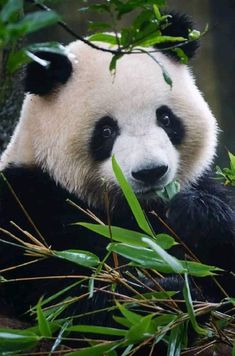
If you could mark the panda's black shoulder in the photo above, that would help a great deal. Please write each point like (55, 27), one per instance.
(29, 196)
(31, 189)
(210, 184)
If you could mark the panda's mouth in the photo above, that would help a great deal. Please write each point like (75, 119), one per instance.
(148, 192)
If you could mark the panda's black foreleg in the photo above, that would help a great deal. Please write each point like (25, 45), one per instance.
(206, 224)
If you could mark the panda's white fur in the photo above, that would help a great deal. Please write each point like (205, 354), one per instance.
(54, 130)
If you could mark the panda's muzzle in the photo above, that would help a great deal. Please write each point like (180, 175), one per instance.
(151, 175)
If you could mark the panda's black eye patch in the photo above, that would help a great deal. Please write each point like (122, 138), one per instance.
(171, 123)
(103, 137)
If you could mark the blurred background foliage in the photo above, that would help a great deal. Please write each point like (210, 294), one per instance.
(213, 66)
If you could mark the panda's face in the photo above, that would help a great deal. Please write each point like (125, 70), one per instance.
(144, 144)
(157, 133)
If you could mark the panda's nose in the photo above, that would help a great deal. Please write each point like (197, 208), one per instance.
(150, 175)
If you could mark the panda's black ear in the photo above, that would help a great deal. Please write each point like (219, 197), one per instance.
(42, 80)
(179, 26)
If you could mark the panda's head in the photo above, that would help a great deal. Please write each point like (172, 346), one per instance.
(78, 115)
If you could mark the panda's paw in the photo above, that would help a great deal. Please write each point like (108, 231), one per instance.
(206, 224)
(196, 210)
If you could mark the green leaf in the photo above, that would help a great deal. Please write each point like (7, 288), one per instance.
(200, 270)
(190, 309)
(98, 26)
(142, 257)
(103, 37)
(194, 35)
(167, 77)
(97, 330)
(169, 191)
(164, 320)
(157, 12)
(181, 55)
(33, 22)
(24, 56)
(154, 39)
(232, 161)
(131, 199)
(82, 258)
(142, 330)
(122, 321)
(231, 300)
(128, 236)
(52, 47)
(165, 241)
(17, 340)
(16, 60)
(113, 63)
(175, 341)
(132, 317)
(11, 7)
(127, 37)
(97, 350)
(43, 324)
(175, 264)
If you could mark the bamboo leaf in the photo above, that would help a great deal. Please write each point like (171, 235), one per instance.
(33, 22)
(96, 350)
(83, 258)
(17, 340)
(131, 199)
(170, 260)
(128, 236)
(155, 39)
(10, 8)
(97, 330)
(43, 324)
(144, 257)
(103, 37)
(132, 317)
(190, 309)
(142, 330)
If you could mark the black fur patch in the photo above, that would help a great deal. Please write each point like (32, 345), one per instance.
(175, 128)
(179, 26)
(101, 146)
(41, 80)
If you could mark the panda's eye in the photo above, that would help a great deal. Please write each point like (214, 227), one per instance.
(103, 137)
(164, 119)
(171, 124)
(107, 131)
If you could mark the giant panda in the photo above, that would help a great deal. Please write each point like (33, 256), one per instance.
(74, 118)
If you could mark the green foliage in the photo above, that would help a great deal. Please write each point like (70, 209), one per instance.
(169, 191)
(43, 324)
(15, 24)
(144, 31)
(131, 199)
(227, 175)
(12, 341)
(190, 309)
(82, 258)
(142, 318)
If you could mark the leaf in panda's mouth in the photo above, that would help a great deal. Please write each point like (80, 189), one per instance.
(169, 191)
